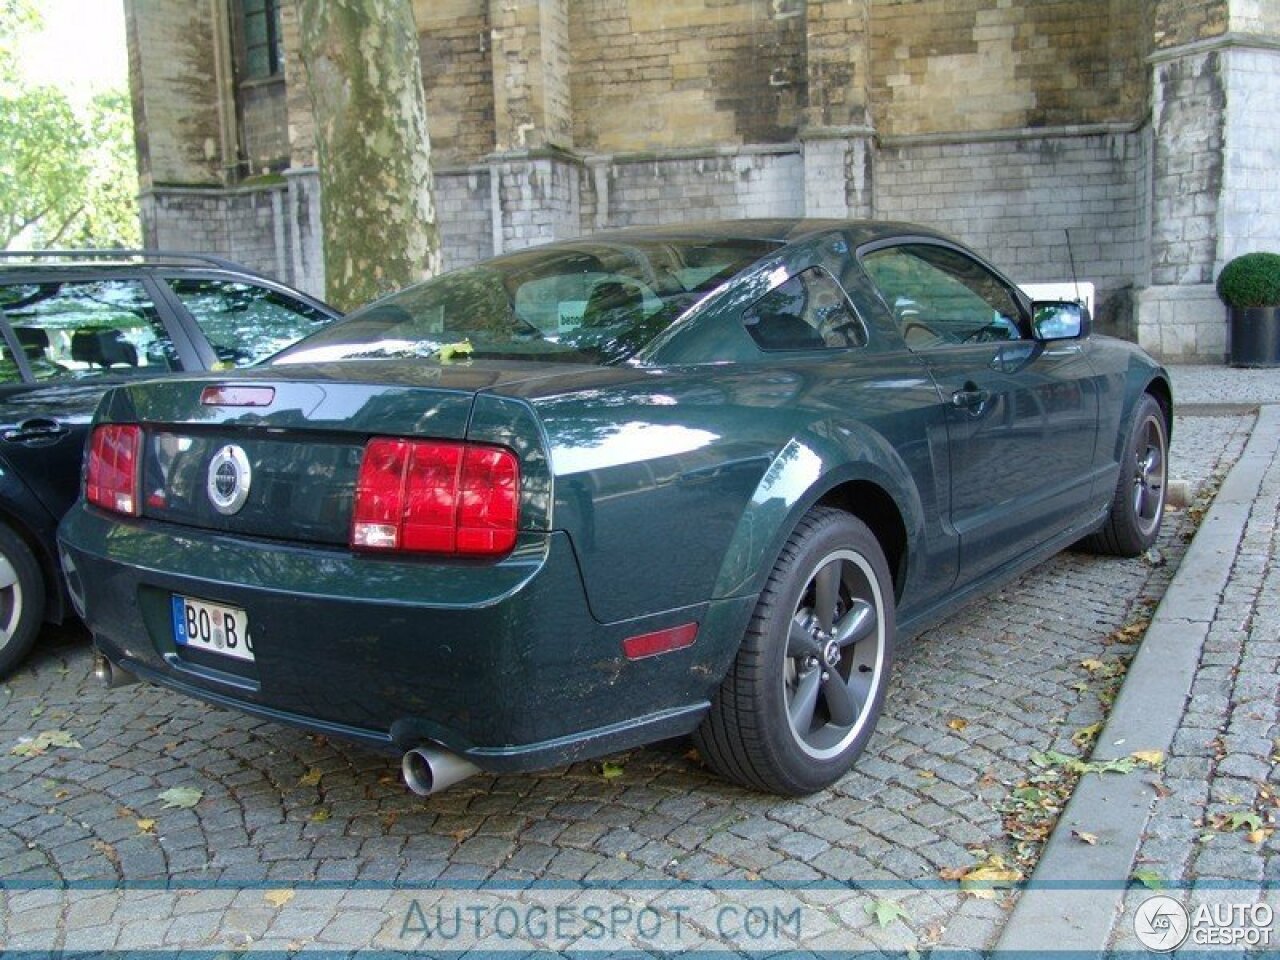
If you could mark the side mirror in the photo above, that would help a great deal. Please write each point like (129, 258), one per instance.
(1059, 320)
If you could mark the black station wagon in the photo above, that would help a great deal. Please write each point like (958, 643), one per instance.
(72, 323)
(594, 494)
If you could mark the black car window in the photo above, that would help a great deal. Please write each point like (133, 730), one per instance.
(245, 322)
(579, 302)
(940, 297)
(807, 312)
(84, 328)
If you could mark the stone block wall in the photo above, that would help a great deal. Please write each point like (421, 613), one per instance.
(1251, 164)
(1015, 198)
(1143, 126)
(654, 75)
(643, 191)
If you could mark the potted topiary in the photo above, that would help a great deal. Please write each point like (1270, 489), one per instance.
(1250, 287)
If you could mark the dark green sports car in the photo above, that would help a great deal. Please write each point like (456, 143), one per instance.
(603, 492)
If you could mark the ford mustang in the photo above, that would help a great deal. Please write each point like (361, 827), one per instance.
(586, 496)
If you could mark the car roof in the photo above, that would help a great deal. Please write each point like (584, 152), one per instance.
(780, 230)
(115, 259)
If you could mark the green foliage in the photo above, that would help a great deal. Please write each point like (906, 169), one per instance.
(67, 176)
(1252, 280)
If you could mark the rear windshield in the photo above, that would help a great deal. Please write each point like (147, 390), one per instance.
(587, 302)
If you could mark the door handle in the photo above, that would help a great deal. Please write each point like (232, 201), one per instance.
(970, 398)
(35, 430)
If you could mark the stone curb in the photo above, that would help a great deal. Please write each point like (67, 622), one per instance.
(1115, 807)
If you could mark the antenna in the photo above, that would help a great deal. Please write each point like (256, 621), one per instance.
(1072, 257)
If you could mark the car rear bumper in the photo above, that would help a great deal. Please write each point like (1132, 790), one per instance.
(502, 663)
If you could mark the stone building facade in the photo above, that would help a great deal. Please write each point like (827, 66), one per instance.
(1142, 127)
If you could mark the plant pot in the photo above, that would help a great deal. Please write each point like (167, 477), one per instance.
(1255, 336)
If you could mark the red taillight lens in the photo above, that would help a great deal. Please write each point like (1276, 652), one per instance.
(111, 480)
(436, 497)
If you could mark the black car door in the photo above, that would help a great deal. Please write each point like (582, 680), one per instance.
(68, 338)
(1021, 415)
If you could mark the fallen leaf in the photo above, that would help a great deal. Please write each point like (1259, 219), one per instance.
(1152, 758)
(610, 771)
(146, 825)
(107, 850)
(1085, 736)
(320, 815)
(957, 723)
(1149, 879)
(278, 898)
(953, 873)
(311, 778)
(36, 711)
(886, 912)
(1092, 664)
(1258, 836)
(44, 741)
(1090, 838)
(181, 798)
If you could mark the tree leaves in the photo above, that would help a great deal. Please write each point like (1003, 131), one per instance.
(43, 742)
(181, 798)
(886, 912)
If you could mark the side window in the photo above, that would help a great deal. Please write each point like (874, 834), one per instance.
(245, 323)
(79, 329)
(940, 297)
(807, 312)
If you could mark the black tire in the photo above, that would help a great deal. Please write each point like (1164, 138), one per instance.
(1137, 506)
(21, 599)
(778, 721)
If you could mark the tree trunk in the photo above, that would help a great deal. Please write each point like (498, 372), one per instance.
(365, 81)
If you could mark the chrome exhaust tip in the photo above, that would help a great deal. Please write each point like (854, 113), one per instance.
(428, 770)
(109, 675)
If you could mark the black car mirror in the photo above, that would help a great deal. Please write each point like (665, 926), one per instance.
(1059, 320)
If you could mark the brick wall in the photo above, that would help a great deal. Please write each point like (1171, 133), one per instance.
(653, 75)
(264, 126)
(972, 65)
(457, 77)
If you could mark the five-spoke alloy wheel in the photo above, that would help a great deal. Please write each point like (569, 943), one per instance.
(808, 684)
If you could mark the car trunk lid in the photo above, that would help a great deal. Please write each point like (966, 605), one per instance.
(299, 435)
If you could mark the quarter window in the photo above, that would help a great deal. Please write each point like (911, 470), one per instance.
(243, 322)
(940, 297)
(82, 329)
(807, 312)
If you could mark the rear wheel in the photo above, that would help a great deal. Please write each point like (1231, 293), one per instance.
(1137, 506)
(809, 681)
(21, 599)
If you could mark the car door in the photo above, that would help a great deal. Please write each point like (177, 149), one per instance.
(66, 339)
(237, 321)
(1021, 415)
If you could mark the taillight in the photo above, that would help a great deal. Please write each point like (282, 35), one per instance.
(111, 479)
(436, 497)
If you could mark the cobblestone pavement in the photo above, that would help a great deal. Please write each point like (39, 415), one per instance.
(971, 700)
(1213, 831)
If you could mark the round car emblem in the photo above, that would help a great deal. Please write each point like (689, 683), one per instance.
(229, 477)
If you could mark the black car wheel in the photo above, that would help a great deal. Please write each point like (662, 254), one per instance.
(809, 681)
(1137, 506)
(21, 599)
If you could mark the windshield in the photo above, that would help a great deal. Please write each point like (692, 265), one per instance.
(587, 302)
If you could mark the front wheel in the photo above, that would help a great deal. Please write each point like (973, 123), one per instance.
(21, 599)
(809, 681)
(1137, 505)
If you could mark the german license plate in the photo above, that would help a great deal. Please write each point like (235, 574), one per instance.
(201, 625)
